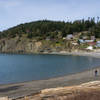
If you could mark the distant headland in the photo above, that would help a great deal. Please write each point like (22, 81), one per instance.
(47, 36)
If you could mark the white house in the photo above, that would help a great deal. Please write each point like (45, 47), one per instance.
(75, 43)
(89, 48)
(81, 41)
(98, 44)
(69, 36)
(89, 41)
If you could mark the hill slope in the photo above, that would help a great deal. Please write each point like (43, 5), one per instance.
(53, 29)
(45, 36)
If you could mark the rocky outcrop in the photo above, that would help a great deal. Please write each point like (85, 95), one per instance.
(25, 45)
(5, 98)
(87, 91)
(19, 45)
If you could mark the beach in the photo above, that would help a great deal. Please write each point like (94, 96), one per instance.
(33, 87)
(95, 53)
(18, 90)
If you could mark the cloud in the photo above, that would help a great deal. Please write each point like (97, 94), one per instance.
(14, 12)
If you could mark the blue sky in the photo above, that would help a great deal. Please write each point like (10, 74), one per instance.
(14, 12)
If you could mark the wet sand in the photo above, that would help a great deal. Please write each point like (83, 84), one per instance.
(33, 87)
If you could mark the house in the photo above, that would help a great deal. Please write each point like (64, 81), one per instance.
(84, 37)
(91, 43)
(87, 41)
(81, 41)
(74, 43)
(98, 44)
(93, 38)
(69, 36)
(89, 48)
(64, 38)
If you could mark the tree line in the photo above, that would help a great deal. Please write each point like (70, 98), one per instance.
(53, 29)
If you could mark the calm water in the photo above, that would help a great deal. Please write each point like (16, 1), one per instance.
(19, 68)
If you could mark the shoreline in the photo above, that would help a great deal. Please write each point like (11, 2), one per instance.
(73, 53)
(17, 90)
(27, 88)
(80, 53)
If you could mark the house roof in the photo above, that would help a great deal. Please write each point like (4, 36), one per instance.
(92, 43)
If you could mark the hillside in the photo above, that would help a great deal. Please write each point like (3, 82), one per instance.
(53, 29)
(47, 36)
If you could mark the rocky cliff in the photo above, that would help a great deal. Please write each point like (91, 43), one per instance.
(25, 45)
(19, 45)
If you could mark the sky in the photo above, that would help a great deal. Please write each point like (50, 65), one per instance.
(14, 12)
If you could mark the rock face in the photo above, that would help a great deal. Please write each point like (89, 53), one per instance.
(87, 91)
(17, 45)
(25, 45)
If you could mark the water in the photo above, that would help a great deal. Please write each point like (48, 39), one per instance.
(20, 68)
